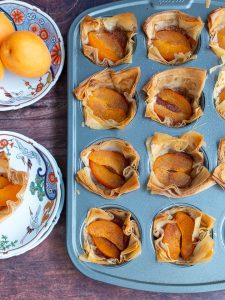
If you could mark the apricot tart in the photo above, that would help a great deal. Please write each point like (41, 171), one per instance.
(109, 41)
(177, 165)
(173, 96)
(111, 236)
(172, 36)
(216, 25)
(182, 235)
(110, 168)
(108, 98)
(219, 93)
(12, 187)
(219, 172)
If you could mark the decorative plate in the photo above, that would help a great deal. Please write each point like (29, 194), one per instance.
(17, 92)
(42, 199)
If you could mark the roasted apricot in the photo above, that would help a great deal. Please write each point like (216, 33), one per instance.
(170, 104)
(9, 192)
(186, 225)
(112, 159)
(222, 96)
(221, 38)
(3, 182)
(110, 44)
(108, 104)
(105, 176)
(172, 237)
(170, 42)
(106, 247)
(108, 230)
(177, 178)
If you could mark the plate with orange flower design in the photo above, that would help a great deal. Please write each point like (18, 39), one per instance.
(17, 92)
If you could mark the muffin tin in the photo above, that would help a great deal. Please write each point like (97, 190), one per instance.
(144, 272)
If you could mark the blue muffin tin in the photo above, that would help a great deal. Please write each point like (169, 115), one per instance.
(144, 272)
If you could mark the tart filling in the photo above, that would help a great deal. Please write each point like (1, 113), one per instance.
(182, 235)
(219, 172)
(216, 25)
(109, 41)
(12, 187)
(108, 98)
(219, 93)
(173, 96)
(172, 36)
(111, 236)
(110, 168)
(177, 165)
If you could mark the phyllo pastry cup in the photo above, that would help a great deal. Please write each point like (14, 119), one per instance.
(109, 41)
(219, 172)
(172, 36)
(182, 235)
(177, 165)
(108, 98)
(110, 168)
(173, 96)
(219, 93)
(12, 187)
(216, 25)
(110, 237)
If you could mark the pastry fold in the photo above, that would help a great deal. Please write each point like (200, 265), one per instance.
(219, 172)
(15, 177)
(130, 173)
(167, 20)
(124, 82)
(189, 143)
(126, 22)
(188, 82)
(219, 87)
(130, 230)
(216, 22)
(201, 236)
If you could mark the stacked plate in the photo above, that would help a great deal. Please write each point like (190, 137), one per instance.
(43, 200)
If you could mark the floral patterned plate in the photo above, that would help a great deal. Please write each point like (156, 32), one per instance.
(43, 197)
(17, 92)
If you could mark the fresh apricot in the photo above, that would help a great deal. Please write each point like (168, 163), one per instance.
(9, 192)
(3, 182)
(110, 44)
(6, 27)
(106, 247)
(221, 38)
(108, 230)
(186, 225)
(108, 104)
(170, 42)
(25, 54)
(172, 105)
(112, 159)
(105, 176)
(2, 71)
(172, 237)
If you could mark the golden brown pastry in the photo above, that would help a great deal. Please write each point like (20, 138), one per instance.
(219, 172)
(111, 236)
(109, 41)
(110, 168)
(108, 98)
(12, 187)
(216, 25)
(219, 93)
(172, 36)
(177, 165)
(173, 96)
(182, 235)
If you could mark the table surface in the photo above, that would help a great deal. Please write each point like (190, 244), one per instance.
(47, 272)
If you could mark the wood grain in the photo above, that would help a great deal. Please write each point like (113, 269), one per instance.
(46, 272)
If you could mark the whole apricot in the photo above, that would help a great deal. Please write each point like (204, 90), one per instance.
(25, 54)
(2, 71)
(6, 27)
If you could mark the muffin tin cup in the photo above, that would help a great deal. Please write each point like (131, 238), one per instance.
(144, 272)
